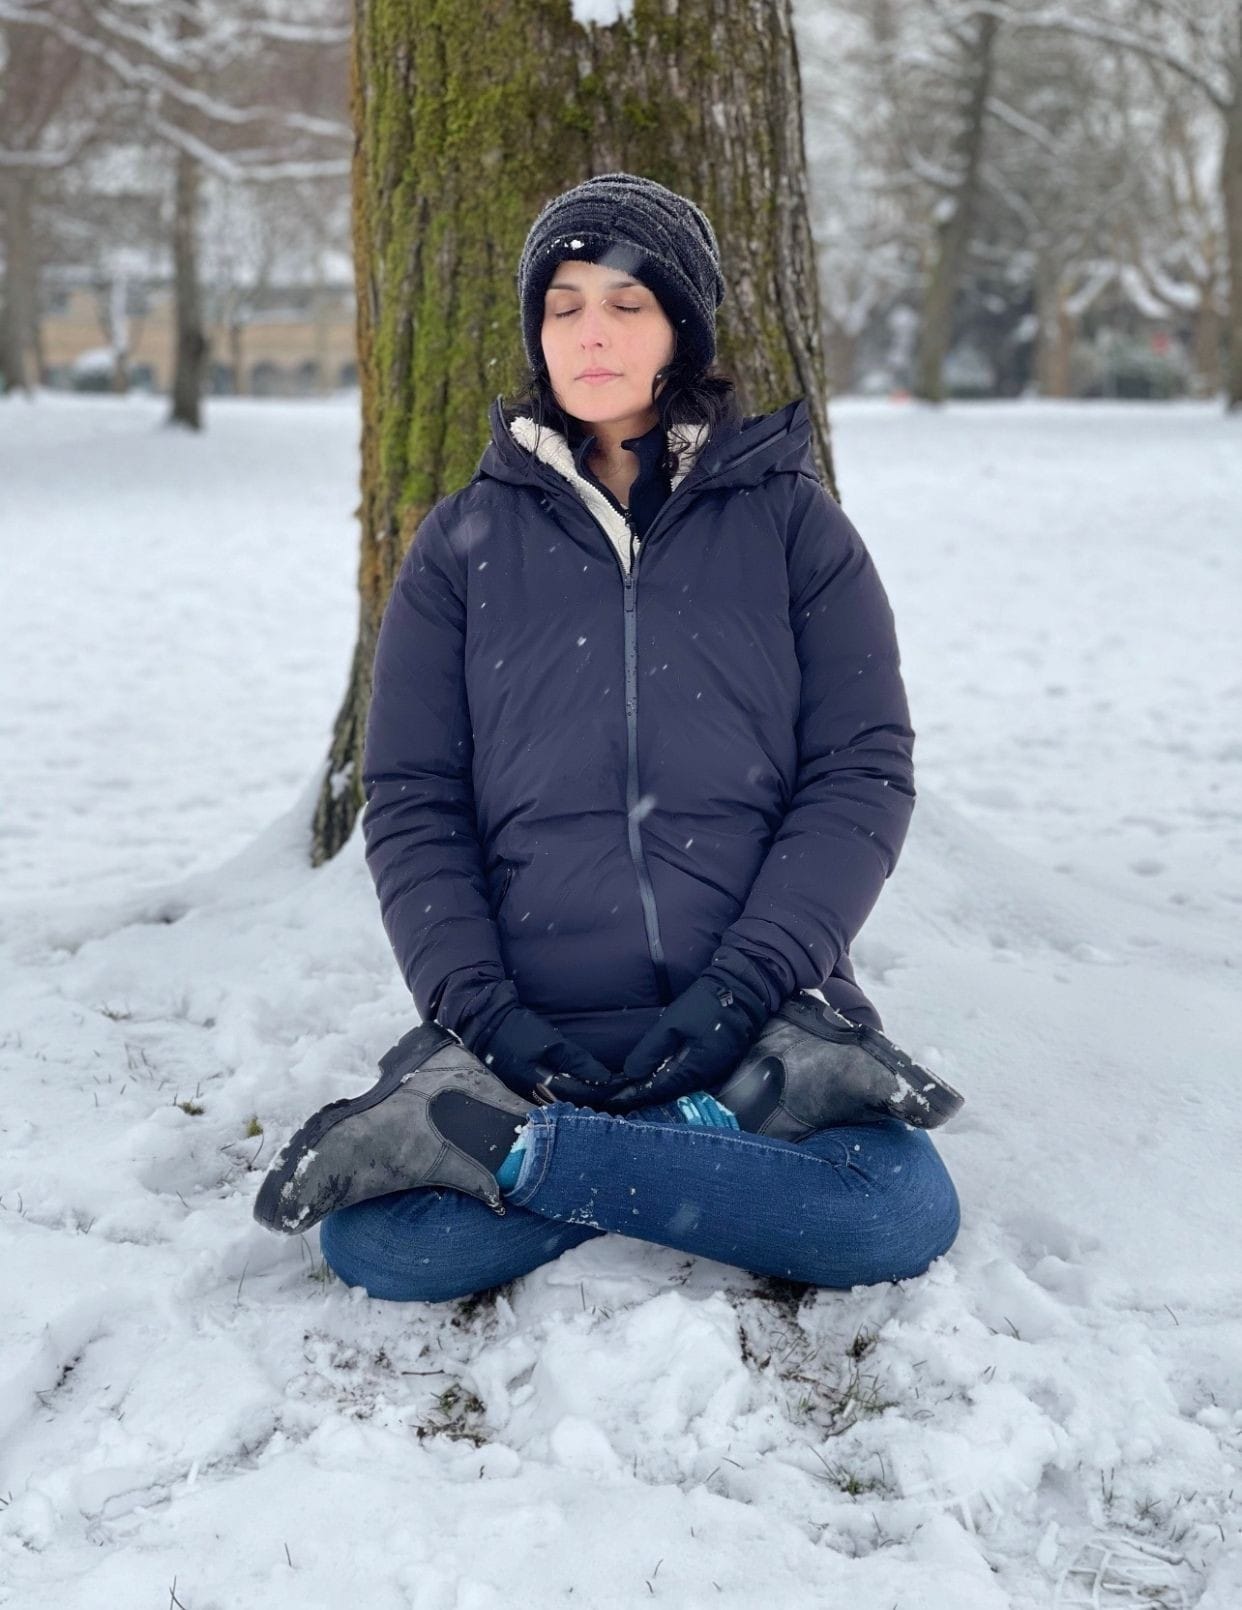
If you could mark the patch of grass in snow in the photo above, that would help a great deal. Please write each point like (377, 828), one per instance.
(1151, 1518)
(849, 1481)
(194, 1108)
(478, 1310)
(863, 1343)
(822, 1392)
(834, 1406)
(254, 1128)
(458, 1414)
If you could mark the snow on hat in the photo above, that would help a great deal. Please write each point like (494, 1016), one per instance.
(641, 228)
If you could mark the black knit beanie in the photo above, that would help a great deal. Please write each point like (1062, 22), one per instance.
(640, 228)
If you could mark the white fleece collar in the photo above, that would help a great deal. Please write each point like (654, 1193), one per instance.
(550, 445)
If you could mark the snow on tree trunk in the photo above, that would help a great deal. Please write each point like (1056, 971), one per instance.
(462, 132)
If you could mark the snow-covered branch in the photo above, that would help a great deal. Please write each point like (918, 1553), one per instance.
(994, 181)
(1004, 113)
(224, 166)
(40, 161)
(1059, 20)
(151, 77)
(302, 33)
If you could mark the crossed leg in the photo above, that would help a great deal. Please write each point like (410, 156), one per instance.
(850, 1205)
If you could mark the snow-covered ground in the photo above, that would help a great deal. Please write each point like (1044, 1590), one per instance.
(191, 1412)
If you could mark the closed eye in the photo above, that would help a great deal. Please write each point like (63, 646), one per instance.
(620, 309)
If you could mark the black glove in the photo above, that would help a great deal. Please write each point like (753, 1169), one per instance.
(699, 1038)
(521, 1049)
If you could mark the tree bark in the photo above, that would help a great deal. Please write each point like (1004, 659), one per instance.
(19, 360)
(1231, 186)
(1054, 341)
(1206, 347)
(191, 342)
(953, 230)
(841, 354)
(467, 119)
(37, 74)
(118, 333)
(237, 355)
(190, 339)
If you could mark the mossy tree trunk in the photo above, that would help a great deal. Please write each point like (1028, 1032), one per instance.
(468, 117)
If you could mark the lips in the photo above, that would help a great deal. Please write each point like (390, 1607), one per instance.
(598, 374)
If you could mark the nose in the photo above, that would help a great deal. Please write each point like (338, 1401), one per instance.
(593, 328)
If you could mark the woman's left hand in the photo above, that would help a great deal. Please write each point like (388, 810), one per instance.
(694, 1044)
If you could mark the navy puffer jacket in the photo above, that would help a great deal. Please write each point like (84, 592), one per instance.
(591, 761)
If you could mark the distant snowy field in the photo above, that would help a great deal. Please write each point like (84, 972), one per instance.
(1052, 1416)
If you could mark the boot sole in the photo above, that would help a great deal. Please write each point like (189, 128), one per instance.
(933, 1101)
(409, 1053)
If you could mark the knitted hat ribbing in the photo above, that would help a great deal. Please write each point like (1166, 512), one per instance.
(641, 228)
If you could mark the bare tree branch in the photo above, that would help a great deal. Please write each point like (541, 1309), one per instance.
(1004, 113)
(224, 167)
(45, 160)
(1088, 27)
(143, 75)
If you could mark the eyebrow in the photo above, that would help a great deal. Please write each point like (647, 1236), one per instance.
(611, 285)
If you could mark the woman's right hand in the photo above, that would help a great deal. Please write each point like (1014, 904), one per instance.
(521, 1049)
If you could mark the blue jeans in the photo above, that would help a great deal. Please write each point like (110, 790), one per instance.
(847, 1206)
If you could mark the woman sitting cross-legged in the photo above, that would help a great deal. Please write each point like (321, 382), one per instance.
(637, 765)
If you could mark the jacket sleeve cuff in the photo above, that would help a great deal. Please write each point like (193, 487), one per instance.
(482, 1012)
(760, 976)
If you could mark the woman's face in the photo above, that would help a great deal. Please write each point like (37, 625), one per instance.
(601, 321)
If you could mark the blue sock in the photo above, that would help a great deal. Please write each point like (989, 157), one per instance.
(705, 1112)
(507, 1173)
(700, 1110)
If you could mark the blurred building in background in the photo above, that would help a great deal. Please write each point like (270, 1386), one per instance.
(289, 340)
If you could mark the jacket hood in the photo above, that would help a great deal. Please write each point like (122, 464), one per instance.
(733, 455)
(524, 453)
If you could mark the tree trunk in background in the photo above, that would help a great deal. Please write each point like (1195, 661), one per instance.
(841, 350)
(189, 337)
(1206, 350)
(323, 335)
(1231, 187)
(118, 332)
(191, 342)
(37, 73)
(19, 358)
(1054, 341)
(237, 357)
(468, 118)
(953, 231)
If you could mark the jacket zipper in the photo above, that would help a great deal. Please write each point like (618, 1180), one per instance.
(638, 856)
(646, 890)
